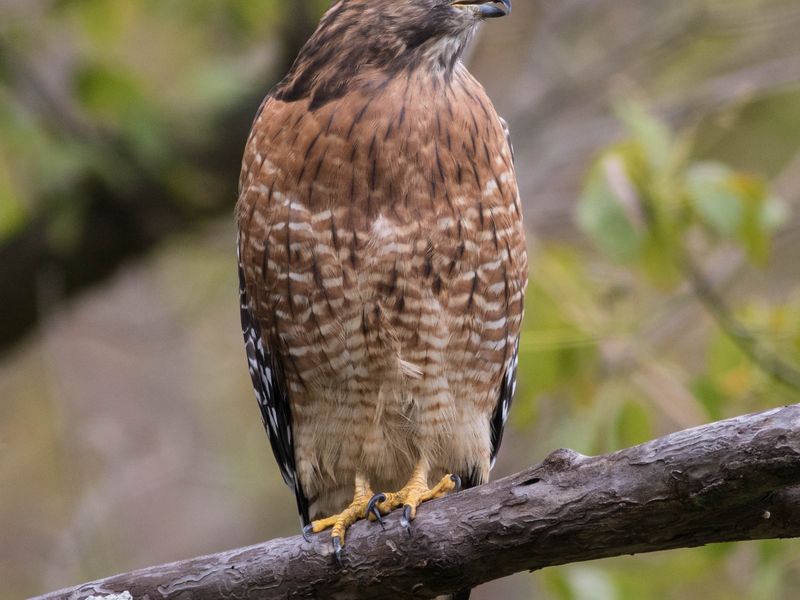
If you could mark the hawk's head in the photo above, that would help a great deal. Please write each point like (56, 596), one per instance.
(357, 39)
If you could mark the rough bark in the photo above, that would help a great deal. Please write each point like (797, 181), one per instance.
(732, 480)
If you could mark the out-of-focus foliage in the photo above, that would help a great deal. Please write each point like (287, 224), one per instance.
(128, 431)
(598, 340)
(125, 91)
(120, 123)
(645, 197)
(663, 208)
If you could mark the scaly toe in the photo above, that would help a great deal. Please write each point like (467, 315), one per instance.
(339, 524)
(410, 497)
(448, 483)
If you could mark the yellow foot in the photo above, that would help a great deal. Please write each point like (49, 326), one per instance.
(341, 522)
(411, 496)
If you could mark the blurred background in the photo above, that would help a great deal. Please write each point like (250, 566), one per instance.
(658, 152)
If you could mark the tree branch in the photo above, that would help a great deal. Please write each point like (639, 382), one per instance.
(732, 480)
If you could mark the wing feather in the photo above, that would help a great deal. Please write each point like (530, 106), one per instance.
(500, 414)
(497, 422)
(271, 393)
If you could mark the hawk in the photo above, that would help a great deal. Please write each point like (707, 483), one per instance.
(382, 263)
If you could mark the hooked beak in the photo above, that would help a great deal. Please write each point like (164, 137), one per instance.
(485, 8)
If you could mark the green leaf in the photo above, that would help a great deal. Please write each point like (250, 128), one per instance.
(607, 215)
(650, 134)
(714, 199)
(774, 214)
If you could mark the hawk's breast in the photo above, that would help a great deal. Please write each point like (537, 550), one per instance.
(384, 254)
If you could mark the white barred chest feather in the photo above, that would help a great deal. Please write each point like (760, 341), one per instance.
(384, 258)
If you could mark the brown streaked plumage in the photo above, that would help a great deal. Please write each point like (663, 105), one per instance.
(382, 255)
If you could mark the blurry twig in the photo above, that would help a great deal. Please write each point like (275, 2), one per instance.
(767, 361)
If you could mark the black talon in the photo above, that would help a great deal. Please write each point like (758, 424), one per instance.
(307, 531)
(405, 520)
(337, 549)
(372, 508)
(378, 517)
(457, 480)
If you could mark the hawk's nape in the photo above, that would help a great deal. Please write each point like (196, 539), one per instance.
(383, 263)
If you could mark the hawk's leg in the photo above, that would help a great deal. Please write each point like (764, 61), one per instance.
(415, 492)
(355, 512)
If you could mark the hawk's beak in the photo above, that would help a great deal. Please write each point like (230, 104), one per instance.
(485, 8)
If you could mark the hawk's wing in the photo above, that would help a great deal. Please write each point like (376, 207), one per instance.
(498, 421)
(500, 414)
(509, 384)
(270, 388)
(507, 387)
